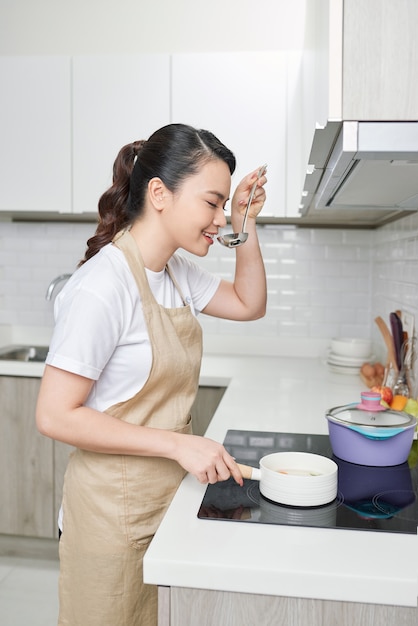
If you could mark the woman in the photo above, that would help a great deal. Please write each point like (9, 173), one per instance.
(123, 367)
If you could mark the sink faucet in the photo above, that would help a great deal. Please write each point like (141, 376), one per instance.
(54, 283)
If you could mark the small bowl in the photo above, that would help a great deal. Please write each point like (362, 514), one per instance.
(351, 347)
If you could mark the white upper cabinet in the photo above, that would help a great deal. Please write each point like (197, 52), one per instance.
(64, 120)
(35, 131)
(116, 100)
(242, 98)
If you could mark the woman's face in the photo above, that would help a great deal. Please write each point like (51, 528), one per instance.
(197, 209)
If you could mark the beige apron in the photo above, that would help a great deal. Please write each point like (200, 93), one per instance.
(113, 504)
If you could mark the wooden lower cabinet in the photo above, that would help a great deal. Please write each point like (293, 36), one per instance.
(32, 466)
(179, 606)
(26, 462)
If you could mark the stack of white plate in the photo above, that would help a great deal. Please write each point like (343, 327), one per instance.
(347, 355)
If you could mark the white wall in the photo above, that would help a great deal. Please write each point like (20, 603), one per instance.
(395, 268)
(102, 26)
(319, 280)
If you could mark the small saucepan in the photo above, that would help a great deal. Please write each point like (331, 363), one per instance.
(295, 478)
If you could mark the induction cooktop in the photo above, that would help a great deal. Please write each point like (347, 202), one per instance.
(369, 498)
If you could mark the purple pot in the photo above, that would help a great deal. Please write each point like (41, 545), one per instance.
(350, 445)
(369, 435)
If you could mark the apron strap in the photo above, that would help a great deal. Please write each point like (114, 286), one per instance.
(132, 251)
(176, 285)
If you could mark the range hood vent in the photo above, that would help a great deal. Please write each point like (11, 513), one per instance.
(369, 167)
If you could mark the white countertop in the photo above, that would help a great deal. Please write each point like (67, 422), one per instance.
(280, 395)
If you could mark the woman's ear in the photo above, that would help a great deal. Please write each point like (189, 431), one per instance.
(158, 193)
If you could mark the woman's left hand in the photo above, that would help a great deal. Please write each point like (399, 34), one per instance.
(245, 298)
(242, 192)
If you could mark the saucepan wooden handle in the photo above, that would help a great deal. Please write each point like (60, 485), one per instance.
(252, 473)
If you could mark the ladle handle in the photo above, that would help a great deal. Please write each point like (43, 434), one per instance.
(252, 473)
(261, 171)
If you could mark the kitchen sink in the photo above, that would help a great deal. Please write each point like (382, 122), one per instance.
(24, 353)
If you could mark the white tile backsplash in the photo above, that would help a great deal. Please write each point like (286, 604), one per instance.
(395, 283)
(321, 282)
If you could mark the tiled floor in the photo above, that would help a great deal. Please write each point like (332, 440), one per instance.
(28, 592)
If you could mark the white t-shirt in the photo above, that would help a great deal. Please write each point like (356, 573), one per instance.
(100, 332)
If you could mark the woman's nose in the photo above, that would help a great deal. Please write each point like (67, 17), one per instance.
(219, 218)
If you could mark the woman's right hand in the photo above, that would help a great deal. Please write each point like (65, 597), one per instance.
(206, 459)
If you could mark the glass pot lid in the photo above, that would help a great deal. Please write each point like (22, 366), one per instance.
(369, 412)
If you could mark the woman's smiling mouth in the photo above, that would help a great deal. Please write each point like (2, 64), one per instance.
(210, 236)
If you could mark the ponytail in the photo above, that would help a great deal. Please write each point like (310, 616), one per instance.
(172, 154)
(113, 204)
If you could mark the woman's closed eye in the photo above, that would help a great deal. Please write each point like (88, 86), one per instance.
(213, 205)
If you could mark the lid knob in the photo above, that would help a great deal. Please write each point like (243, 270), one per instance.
(370, 401)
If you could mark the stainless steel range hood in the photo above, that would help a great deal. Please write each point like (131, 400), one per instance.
(362, 172)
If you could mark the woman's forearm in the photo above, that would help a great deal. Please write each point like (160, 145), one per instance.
(250, 276)
(61, 415)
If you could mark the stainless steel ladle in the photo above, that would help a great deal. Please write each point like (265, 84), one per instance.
(232, 240)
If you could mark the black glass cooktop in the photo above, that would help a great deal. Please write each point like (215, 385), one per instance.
(369, 498)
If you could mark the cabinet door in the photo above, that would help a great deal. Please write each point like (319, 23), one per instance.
(241, 98)
(35, 146)
(380, 60)
(363, 59)
(297, 144)
(26, 459)
(116, 100)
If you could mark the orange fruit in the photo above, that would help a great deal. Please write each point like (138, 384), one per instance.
(398, 403)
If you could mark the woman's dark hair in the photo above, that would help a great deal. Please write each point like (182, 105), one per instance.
(172, 153)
